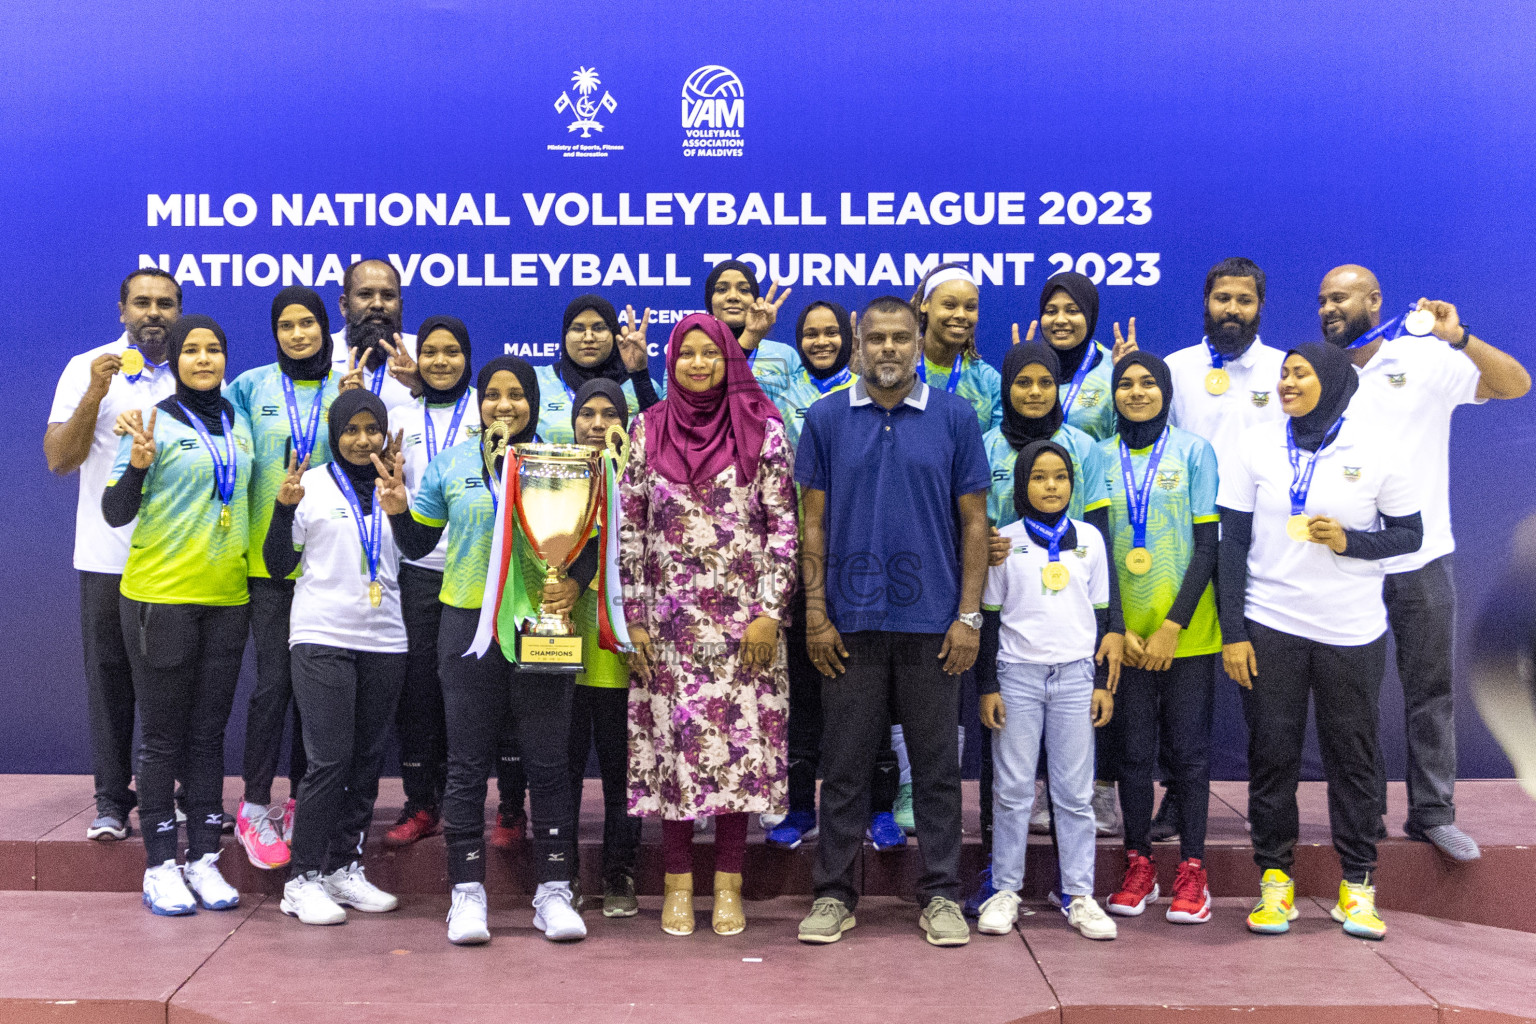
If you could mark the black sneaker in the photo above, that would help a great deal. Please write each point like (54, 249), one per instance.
(1165, 825)
(107, 826)
(619, 898)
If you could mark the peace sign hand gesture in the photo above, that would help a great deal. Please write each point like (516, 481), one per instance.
(402, 367)
(632, 345)
(1124, 346)
(142, 456)
(763, 313)
(390, 486)
(353, 378)
(292, 490)
(1028, 337)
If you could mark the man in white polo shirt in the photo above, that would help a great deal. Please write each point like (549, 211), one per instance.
(96, 386)
(1409, 387)
(372, 309)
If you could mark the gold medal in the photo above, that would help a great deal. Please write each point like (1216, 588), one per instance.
(1138, 561)
(1054, 575)
(1419, 323)
(1217, 381)
(1296, 527)
(375, 593)
(224, 518)
(131, 362)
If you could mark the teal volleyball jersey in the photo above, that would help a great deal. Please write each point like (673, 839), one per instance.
(1088, 492)
(980, 385)
(1093, 408)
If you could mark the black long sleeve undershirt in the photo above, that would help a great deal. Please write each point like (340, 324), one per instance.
(645, 390)
(1399, 535)
(1099, 520)
(278, 550)
(416, 540)
(1197, 575)
(120, 502)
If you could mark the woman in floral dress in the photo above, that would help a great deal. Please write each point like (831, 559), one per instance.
(708, 548)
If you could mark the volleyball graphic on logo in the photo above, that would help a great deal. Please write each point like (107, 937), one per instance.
(712, 97)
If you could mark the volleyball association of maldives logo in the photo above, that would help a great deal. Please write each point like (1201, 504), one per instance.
(586, 106)
(714, 112)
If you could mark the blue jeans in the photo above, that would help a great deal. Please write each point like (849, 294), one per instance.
(1056, 700)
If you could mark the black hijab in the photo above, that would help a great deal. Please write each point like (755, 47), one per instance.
(1082, 292)
(318, 364)
(454, 326)
(530, 382)
(1019, 429)
(1143, 435)
(209, 405)
(1336, 373)
(714, 276)
(1022, 467)
(609, 390)
(347, 405)
(844, 328)
(573, 373)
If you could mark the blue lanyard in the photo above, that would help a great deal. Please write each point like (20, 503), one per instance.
(1138, 500)
(1052, 537)
(372, 539)
(1217, 359)
(1078, 378)
(303, 440)
(377, 384)
(453, 425)
(837, 380)
(1301, 477)
(224, 469)
(954, 372)
(1390, 330)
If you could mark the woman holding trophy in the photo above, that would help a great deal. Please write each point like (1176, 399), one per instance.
(707, 552)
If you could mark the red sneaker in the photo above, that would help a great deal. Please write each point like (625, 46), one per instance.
(507, 833)
(1138, 891)
(1191, 895)
(411, 829)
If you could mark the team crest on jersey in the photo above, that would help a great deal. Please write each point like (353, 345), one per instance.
(1081, 552)
(1397, 380)
(270, 410)
(1260, 398)
(1168, 479)
(1089, 399)
(1352, 474)
(340, 513)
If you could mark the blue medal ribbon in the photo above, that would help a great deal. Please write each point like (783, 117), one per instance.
(453, 425)
(1078, 378)
(1051, 537)
(1217, 359)
(954, 372)
(377, 384)
(1301, 476)
(1390, 330)
(1138, 500)
(372, 538)
(303, 439)
(225, 468)
(837, 380)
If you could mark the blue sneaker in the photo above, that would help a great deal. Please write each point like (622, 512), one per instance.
(984, 891)
(796, 828)
(884, 833)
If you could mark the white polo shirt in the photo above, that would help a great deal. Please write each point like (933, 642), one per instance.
(1408, 391)
(98, 547)
(1043, 626)
(330, 598)
(412, 419)
(1223, 419)
(391, 391)
(1303, 588)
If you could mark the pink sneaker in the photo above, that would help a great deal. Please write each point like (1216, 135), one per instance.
(288, 809)
(257, 834)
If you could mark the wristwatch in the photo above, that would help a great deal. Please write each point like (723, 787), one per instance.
(972, 619)
(1466, 336)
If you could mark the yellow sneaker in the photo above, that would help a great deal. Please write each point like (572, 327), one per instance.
(1356, 910)
(1277, 904)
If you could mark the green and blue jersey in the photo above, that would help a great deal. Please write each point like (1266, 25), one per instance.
(802, 393)
(1093, 409)
(1088, 493)
(980, 385)
(555, 405)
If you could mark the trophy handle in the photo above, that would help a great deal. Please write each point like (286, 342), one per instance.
(616, 444)
(493, 444)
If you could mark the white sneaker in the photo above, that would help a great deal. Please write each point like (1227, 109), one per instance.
(770, 821)
(999, 914)
(1040, 816)
(1106, 809)
(305, 898)
(1090, 920)
(349, 887)
(553, 914)
(208, 885)
(466, 918)
(166, 892)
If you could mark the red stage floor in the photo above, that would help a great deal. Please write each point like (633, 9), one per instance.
(85, 950)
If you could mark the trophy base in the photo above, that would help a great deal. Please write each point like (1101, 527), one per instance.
(558, 654)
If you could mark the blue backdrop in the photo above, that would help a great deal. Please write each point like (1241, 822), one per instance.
(1139, 145)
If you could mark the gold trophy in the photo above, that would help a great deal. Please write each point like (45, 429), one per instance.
(558, 486)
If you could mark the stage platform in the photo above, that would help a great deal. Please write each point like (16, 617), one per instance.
(81, 948)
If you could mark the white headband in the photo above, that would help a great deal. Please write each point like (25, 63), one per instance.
(946, 275)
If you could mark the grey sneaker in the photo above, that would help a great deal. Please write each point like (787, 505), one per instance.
(107, 827)
(1106, 809)
(828, 919)
(619, 898)
(1449, 840)
(944, 924)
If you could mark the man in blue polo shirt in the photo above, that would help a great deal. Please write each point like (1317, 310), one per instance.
(894, 480)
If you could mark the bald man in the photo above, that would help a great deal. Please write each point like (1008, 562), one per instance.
(1410, 386)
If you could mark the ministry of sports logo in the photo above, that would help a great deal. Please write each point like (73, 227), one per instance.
(584, 110)
(714, 112)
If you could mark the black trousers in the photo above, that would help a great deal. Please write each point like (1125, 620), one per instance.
(347, 699)
(600, 718)
(478, 694)
(1170, 711)
(1421, 608)
(419, 720)
(186, 664)
(272, 702)
(109, 692)
(890, 675)
(1345, 685)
